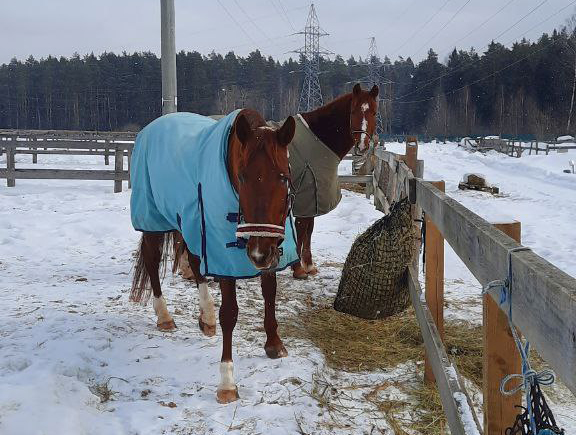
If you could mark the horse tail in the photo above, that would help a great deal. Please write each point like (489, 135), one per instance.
(141, 288)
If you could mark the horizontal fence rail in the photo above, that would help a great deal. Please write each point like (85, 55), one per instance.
(117, 145)
(457, 407)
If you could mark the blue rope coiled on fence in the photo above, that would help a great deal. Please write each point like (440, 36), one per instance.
(528, 375)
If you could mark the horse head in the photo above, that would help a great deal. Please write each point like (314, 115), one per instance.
(364, 106)
(261, 175)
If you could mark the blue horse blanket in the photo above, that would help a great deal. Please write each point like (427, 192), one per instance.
(180, 182)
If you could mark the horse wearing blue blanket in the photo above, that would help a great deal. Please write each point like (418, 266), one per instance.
(224, 186)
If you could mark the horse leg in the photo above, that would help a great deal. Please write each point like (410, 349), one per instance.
(181, 263)
(152, 245)
(298, 270)
(227, 391)
(307, 262)
(273, 347)
(207, 319)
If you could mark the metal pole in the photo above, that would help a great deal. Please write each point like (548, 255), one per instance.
(168, 57)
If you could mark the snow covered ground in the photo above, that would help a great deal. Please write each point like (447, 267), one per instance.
(69, 336)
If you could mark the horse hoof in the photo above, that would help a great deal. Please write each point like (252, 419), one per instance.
(275, 352)
(207, 330)
(227, 396)
(298, 272)
(313, 270)
(300, 275)
(166, 326)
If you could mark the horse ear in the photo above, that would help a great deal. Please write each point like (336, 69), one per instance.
(374, 91)
(357, 89)
(285, 134)
(243, 129)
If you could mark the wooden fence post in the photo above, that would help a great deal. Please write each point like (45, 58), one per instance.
(118, 168)
(129, 168)
(434, 254)
(35, 155)
(10, 165)
(501, 358)
(106, 152)
(417, 168)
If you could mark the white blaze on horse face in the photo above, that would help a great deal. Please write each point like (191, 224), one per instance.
(161, 310)
(363, 135)
(364, 107)
(227, 376)
(256, 254)
(207, 313)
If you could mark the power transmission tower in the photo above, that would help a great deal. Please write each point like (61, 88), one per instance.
(311, 95)
(375, 78)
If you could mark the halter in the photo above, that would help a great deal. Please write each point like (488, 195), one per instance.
(247, 230)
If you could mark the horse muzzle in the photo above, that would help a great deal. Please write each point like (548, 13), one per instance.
(263, 252)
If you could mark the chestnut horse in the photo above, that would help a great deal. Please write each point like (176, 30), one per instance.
(348, 121)
(258, 169)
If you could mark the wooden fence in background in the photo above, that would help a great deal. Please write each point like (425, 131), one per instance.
(80, 143)
(57, 142)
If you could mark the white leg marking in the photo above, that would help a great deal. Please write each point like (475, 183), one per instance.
(227, 376)
(310, 267)
(207, 313)
(161, 310)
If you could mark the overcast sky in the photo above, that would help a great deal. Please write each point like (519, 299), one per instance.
(407, 28)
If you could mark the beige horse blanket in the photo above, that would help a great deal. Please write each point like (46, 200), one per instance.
(314, 171)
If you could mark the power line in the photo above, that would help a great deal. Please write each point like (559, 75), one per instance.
(485, 77)
(286, 14)
(483, 23)
(236, 22)
(478, 60)
(420, 29)
(256, 26)
(405, 10)
(521, 19)
(444, 26)
(543, 21)
(282, 14)
(261, 17)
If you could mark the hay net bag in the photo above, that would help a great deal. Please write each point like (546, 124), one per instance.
(374, 282)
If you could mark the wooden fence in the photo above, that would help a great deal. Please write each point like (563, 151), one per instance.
(515, 148)
(543, 306)
(106, 144)
(51, 142)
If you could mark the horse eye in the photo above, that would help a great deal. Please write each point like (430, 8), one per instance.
(241, 178)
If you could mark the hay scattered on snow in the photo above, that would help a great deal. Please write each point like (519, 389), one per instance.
(356, 345)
